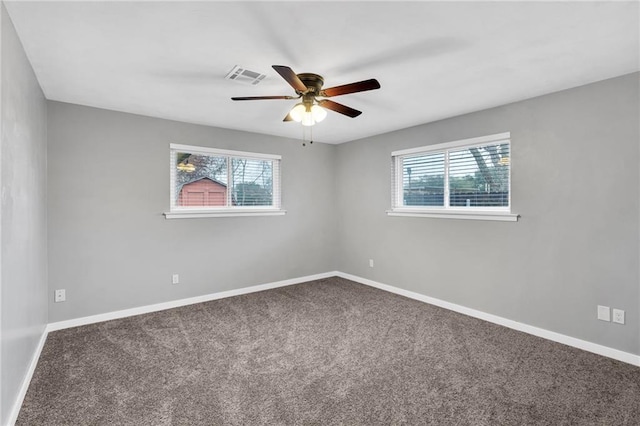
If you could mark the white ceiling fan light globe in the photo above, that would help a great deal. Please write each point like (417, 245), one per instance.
(318, 113)
(307, 119)
(297, 112)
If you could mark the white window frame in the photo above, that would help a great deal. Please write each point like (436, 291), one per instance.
(446, 211)
(182, 212)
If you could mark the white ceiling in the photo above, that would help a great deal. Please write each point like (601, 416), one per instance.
(433, 59)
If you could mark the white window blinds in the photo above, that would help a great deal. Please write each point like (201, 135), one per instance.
(471, 175)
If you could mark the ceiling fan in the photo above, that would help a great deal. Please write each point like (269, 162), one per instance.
(308, 86)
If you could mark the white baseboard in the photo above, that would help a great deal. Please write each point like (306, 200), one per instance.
(536, 331)
(60, 325)
(15, 410)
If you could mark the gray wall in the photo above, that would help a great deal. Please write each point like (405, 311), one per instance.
(110, 246)
(23, 154)
(575, 182)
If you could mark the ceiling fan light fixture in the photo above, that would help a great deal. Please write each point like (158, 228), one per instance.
(307, 115)
(297, 112)
(318, 113)
(307, 119)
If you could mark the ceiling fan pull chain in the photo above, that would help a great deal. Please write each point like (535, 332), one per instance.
(304, 135)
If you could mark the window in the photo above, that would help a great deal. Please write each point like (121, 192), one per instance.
(208, 182)
(467, 179)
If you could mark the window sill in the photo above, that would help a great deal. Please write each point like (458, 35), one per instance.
(477, 215)
(223, 213)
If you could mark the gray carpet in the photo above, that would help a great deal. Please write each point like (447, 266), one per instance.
(321, 353)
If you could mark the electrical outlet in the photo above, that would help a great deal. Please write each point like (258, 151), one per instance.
(370, 263)
(618, 316)
(175, 279)
(604, 313)
(60, 295)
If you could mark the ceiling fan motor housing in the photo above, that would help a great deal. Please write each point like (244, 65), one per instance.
(313, 82)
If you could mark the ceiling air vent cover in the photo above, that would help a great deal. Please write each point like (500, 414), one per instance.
(245, 76)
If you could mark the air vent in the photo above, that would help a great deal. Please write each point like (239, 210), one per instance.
(245, 76)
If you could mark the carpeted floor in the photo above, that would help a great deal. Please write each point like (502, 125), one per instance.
(321, 353)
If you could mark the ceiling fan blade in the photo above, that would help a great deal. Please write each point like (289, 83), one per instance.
(342, 109)
(291, 77)
(360, 86)
(258, 98)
